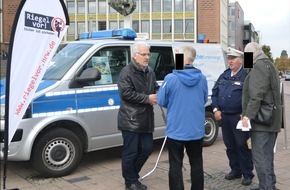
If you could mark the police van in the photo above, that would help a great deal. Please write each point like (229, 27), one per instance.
(74, 109)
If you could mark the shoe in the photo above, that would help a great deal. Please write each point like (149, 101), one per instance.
(247, 181)
(232, 176)
(144, 187)
(136, 186)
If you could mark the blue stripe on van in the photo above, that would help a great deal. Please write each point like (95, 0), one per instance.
(70, 101)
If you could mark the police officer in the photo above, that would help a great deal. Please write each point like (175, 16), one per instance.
(227, 108)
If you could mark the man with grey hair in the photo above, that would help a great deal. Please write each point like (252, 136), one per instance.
(137, 89)
(184, 94)
(261, 86)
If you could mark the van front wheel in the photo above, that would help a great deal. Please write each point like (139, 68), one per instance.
(57, 153)
(211, 129)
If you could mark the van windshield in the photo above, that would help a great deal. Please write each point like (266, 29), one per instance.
(64, 59)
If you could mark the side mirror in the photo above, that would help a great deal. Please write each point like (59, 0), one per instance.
(89, 75)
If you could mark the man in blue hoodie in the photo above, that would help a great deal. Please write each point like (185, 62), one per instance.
(184, 93)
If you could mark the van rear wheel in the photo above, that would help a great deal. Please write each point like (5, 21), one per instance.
(211, 130)
(57, 153)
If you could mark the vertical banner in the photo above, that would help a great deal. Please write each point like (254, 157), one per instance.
(39, 27)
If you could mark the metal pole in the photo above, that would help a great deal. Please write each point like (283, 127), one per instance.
(284, 116)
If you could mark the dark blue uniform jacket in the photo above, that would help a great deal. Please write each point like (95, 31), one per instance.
(227, 92)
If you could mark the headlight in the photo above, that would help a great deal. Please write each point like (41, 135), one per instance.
(2, 111)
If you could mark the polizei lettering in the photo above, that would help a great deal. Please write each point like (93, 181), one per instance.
(38, 21)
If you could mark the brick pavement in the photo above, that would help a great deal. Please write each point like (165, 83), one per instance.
(101, 170)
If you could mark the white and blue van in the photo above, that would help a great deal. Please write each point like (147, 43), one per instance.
(74, 109)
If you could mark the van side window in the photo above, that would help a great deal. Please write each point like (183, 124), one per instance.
(109, 61)
(161, 61)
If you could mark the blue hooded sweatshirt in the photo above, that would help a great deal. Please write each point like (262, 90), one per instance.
(184, 93)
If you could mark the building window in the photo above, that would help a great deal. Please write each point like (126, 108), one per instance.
(156, 26)
(145, 27)
(232, 25)
(189, 25)
(178, 26)
(113, 25)
(121, 24)
(156, 6)
(178, 5)
(81, 7)
(189, 5)
(81, 27)
(102, 25)
(145, 6)
(71, 29)
(92, 7)
(92, 26)
(167, 7)
(246, 35)
(233, 11)
(102, 7)
(71, 7)
(167, 26)
(135, 25)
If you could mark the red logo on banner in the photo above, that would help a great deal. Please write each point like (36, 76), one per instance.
(57, 25)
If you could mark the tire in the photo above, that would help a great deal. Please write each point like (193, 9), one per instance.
(211, 130)
(57, 153)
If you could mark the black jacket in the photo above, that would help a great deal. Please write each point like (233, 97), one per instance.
(135, 85)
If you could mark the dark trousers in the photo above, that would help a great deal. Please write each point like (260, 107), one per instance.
(239, 155)
(137, 148)
(176, 154)
(263, 155)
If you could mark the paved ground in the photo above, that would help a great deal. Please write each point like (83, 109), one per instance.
(101, 170)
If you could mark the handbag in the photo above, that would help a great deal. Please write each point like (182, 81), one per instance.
(265, 114)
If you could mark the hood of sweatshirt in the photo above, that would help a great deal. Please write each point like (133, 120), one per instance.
(189, 77)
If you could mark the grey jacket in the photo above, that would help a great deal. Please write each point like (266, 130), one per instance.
(257, 88)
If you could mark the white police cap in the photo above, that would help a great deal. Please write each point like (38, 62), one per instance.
(231, 52)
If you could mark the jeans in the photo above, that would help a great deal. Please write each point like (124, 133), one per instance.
(176, 154)
(263, 156)
(137, 148)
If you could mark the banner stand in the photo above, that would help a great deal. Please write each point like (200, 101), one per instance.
(283, 116)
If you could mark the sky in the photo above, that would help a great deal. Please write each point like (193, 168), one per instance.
(272, 19)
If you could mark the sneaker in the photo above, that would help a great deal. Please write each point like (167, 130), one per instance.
(232, 176)
(247, 181)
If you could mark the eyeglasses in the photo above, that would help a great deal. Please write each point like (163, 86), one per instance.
(144, 54)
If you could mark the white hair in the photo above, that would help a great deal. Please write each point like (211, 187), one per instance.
(137, 45)
(189, 53)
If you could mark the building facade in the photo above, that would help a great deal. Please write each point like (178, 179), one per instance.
(236, 26)
(8, 10)
(212, 19)
(160, 19)
(250, 34)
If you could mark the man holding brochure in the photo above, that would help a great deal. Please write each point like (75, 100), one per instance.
(227, 107)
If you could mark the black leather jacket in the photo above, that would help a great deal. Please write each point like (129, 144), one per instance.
(135, 85)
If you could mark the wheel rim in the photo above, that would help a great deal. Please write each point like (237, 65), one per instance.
(210, 129)
(58, 153)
